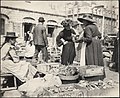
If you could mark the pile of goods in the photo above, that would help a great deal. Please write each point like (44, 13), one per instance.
(48, 68)
(68, 73)
(96, 84)
(98, 88)
(81, 89)
(65, 91)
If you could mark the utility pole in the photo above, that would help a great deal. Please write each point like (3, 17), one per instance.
(103, 21)
(73, 12)
(111, 17)
(66, 11)
(103, 18)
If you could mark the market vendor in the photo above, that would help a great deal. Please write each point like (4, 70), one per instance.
(65, 38)
(10, 62)
(93, 51)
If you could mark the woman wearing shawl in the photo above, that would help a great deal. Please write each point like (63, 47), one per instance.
(93, 52)
(65, 38)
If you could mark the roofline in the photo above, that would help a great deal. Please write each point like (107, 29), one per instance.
(94, 15)
(31, 11)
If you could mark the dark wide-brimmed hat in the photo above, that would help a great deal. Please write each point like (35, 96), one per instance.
(66, 22)
(41, 19)
(11, 35)
(87, 17)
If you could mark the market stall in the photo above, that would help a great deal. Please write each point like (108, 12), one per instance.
(68, 81)
(71, 81)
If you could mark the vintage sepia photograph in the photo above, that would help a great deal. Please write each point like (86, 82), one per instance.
(59, 48)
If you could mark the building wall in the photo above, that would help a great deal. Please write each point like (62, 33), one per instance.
(108, 12)
(16, 19)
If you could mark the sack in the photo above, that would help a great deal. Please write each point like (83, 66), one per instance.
(36, 85)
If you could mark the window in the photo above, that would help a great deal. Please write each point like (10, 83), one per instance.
(51, 26)
(50, 30)
(2, 26)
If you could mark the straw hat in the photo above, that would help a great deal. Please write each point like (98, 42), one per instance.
(87, 17)
(11, 35)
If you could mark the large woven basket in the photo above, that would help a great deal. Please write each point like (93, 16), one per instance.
(75, 77)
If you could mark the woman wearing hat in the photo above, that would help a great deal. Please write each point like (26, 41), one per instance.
(10, 62)
(93, 53)
(65, 38)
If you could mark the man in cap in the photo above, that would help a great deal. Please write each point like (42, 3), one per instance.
(40, 40)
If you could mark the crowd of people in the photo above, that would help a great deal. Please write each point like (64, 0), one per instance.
(80, 40)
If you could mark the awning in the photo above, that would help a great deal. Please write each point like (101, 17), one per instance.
(52, 22)
(29, 20)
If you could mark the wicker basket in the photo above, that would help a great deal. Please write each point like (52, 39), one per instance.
(75, 77)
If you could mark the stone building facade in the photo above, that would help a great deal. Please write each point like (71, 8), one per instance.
(106, 18)
(21, 20)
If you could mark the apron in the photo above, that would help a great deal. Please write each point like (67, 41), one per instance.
(82, 55)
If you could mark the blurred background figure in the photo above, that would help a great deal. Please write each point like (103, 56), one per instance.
(26, 36)
(30, 36)
(77, 27)
(115, 56)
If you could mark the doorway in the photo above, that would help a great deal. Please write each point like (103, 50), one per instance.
(50, 30)
(27, 27)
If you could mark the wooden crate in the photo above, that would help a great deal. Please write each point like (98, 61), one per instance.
(5, 75)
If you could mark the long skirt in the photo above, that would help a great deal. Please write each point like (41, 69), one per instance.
(22, 70)
(93, 54)
(68, 53)
(115, 56)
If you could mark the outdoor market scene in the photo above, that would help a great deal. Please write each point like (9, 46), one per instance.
(59, 48)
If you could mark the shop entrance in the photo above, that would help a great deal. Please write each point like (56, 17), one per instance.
(50, 30)
(27, 27)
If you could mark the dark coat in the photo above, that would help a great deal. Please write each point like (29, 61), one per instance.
(68, 52)
(93, 53)
(115, 56)
(39, 35)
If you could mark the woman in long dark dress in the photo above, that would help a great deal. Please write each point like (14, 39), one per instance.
(93, 52)
(65, 38)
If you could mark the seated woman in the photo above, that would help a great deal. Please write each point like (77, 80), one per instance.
(10, 62)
